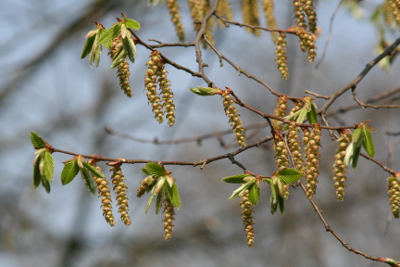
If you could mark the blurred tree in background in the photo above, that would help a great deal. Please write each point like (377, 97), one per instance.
(247, 53)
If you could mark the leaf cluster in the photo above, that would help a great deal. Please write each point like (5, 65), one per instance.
(104, 37)
(361, 137)
(276, 183)
(161, 184)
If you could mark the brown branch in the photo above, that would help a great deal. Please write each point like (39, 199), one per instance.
(353, 84)
(197, 139)
(389, 261)
(169, 162)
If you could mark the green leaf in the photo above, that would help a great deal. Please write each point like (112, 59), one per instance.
(173, 195)
(312, 114)
(118, 57)
(149, 202)
(69, 172)
(204, 91)
(235, 179)
(37, 141)
(289, 175)
(89, 182)
(274, 198)
(281, 202)
(87, 47)
(154, 169)
(254, 194)
(46, 185)
(367, 143)
(355, 156)
(241, 189)
(48, 170)
(357, 137)
(37, 177)
(129, 47)
(302, 115)
(160, 199)
(95, 55)
(93, 170)
(133, 24)
(107, 36)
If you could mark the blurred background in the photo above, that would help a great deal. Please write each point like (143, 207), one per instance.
(45, 87)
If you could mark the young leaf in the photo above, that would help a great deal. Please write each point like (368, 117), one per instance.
(46, 185)
(93, 170)
(274, 198)
(87, 47)
(241, 189)
(107, 36)
(118, 57)
(349, 154)
(254, 194)
(37, 177)
(289, 175)
(235, 179)
(357, 137)
(129, 47)
(154, 169)
(37, 141)
(281, 202)
(89, 182)
(69, 172)
(355, 156)
(173, 195)
(149, 202)
(96, 51)
(367, 143)
(48, 170)
(203, 91)
(133, 24)
(302, 115)
(160, 199)
(312, 114)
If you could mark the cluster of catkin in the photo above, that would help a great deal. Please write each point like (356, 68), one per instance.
(161, 100)
(104, 193)
(393, 190)
(302, 154)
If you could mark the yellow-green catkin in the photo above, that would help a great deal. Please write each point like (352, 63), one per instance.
(309, 10)
(123, 67)
(174, 13)
(150, 81)
(281, 152)
(167, 96)
(293, 140)
(268, 9)
(280, 55)
(312, 142)
(398, 4)
(104, 194)
(339, 168)
(120, 189)
(393, 190)
(391, 13)
(145, 185)
(224, 10)
(279, 111)
(307, 43)
(299, 14)
(251, 15)
(247, 217)
(234, 117)
(168, 218)
(198, 10)
(298, 104)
